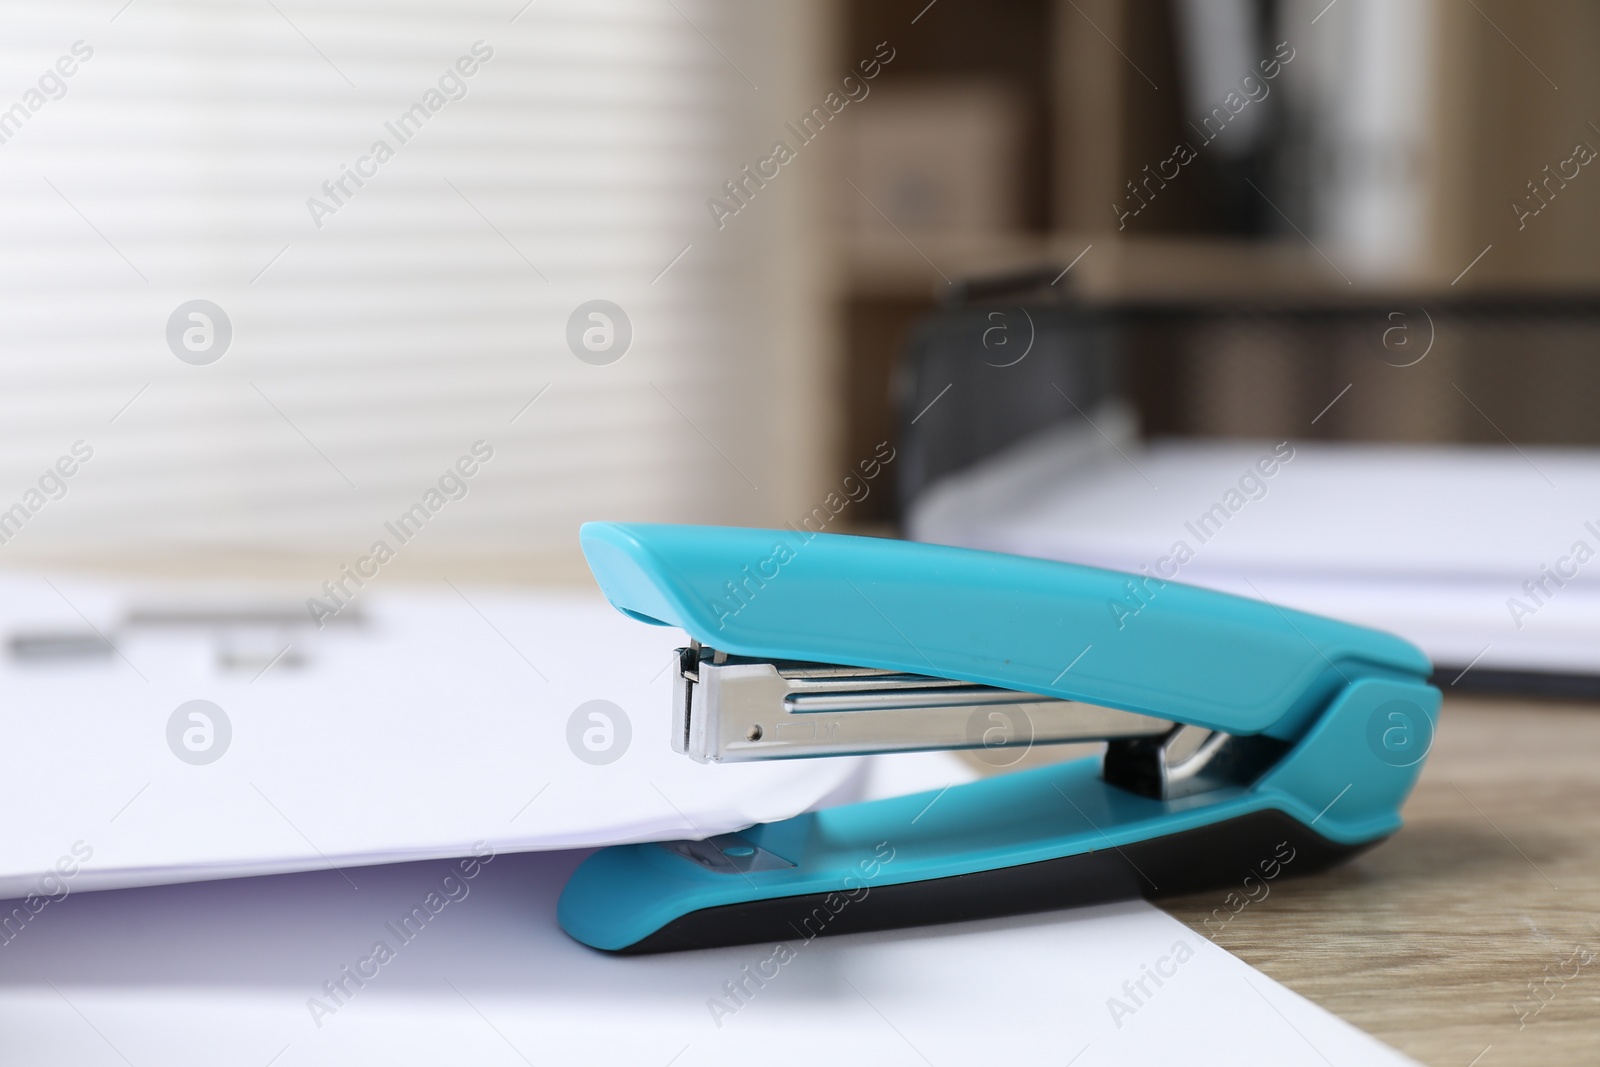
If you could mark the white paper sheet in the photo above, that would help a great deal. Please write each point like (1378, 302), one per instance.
(235, 972)
(1432, 543)
(440, 721)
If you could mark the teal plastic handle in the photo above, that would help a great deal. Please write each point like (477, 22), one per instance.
(1058, 629)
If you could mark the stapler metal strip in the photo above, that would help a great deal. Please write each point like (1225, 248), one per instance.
(1234, 729)
(733, 709)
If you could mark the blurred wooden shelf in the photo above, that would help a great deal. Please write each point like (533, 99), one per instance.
(888, 265)
(920, 266)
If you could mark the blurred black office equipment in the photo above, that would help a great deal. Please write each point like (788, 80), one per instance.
(986, 372)
(1417, 368)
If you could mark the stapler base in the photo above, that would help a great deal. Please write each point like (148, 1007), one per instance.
(1220, 855)
(1058, 836)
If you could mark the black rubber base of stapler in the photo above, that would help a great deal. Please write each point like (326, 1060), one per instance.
(1221, 854)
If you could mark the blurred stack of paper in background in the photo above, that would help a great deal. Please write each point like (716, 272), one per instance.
(1484, 557)
(411, 726)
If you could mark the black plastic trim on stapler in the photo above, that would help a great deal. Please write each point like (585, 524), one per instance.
(1207, 857)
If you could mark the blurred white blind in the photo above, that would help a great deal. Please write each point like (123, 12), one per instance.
(425, 312)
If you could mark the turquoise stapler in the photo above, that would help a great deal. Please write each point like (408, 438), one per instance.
(1238, 734)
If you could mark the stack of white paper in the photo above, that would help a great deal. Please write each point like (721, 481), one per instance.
(259, 971)
(441, 719)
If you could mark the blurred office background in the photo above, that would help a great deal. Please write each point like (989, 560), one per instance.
(1327, 236)
(1369, 185)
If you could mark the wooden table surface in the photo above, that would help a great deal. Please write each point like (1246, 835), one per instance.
(1471, 937)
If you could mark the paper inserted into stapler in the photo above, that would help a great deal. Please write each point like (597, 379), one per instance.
(1233, 729)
